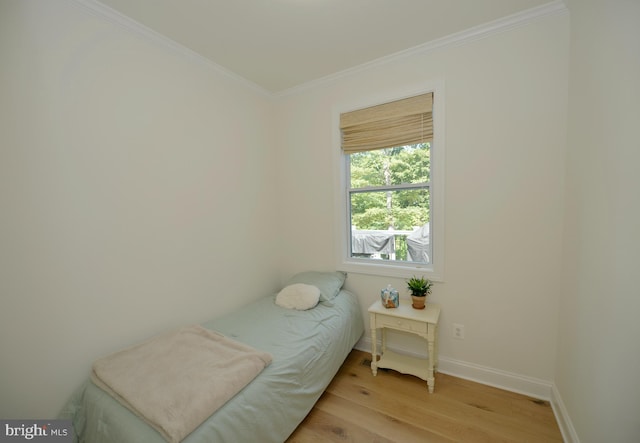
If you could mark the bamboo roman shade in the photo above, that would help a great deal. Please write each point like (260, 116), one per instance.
(399, 123)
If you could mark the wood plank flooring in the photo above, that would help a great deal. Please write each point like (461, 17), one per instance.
(392, 407)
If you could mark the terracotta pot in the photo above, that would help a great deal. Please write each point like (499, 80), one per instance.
(418, 302)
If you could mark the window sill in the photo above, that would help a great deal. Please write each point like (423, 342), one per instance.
(387, 269)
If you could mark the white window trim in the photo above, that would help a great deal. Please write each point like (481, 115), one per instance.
(434, 271)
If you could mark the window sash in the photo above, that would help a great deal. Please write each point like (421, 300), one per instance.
(384, 188)
(399, 187)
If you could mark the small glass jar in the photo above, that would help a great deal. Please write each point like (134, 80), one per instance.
(389, 297)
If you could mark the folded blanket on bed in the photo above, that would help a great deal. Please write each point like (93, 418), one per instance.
(176, 380)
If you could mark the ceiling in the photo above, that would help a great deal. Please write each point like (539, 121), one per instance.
(281, 44)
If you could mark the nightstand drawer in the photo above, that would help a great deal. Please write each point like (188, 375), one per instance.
(401, 323)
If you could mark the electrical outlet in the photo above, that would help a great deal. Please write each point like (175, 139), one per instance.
(458, 331)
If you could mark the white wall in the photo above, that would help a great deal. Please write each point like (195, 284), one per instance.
(136, 184)
(505, 135)
(598, 359)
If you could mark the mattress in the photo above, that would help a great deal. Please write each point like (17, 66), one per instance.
(308, 348)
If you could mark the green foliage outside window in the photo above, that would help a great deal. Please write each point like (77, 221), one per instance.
(401, 209)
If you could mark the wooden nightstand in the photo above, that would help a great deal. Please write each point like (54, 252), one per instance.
(422, 322)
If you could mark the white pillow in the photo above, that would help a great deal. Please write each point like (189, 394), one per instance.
(298, 296)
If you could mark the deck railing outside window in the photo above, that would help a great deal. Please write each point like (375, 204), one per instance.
(391, 244)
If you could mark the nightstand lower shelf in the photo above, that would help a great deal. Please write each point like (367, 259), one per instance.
(405, 364)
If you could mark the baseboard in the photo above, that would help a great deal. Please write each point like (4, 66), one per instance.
(569, 434)
(521, 384)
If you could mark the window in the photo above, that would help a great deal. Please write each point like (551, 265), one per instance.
(391, 205)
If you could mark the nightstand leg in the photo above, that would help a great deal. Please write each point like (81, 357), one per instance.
(436, 350)
(374, 352)
(431, 381)
(384, 340)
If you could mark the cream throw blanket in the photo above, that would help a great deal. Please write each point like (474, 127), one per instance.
(177, 380)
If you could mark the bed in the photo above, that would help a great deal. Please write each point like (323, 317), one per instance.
(307, 349)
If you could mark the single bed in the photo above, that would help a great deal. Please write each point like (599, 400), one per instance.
(307, 346)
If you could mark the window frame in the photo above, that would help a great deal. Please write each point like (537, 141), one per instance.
(434, 270)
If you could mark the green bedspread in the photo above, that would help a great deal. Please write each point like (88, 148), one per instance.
(308, 347)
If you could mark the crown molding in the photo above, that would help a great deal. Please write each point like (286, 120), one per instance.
(555, 7)
(103, 11)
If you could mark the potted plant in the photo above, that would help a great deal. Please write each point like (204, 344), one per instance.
(419, 288)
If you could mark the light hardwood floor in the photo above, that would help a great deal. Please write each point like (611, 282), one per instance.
(392, 407)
